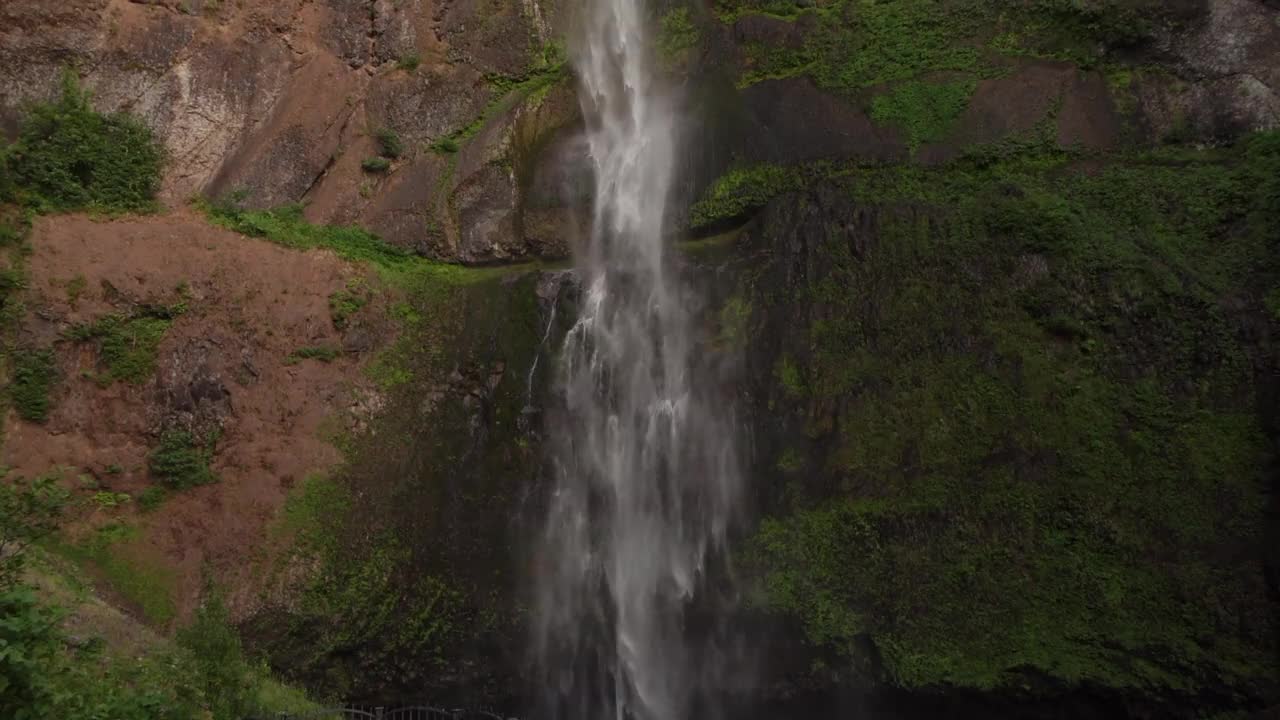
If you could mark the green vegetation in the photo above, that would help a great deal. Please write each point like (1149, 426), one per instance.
(924, 111)
(742, 190)
(1048, 431)
(181, 460)
(34, 372)
(313, 352)
(29, 512)
(375, 164)
(151, 498)
(549, 67)
(389, 143)
(345, 303)
(678, 37)
(69, 157)
(128, 344)
(409, 62)
(141, 582)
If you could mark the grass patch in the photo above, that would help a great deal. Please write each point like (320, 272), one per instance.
(181, 461)
(147, 586)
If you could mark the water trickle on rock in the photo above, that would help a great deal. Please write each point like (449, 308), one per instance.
(646, 482)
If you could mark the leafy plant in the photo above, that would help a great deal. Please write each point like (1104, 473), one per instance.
(34, 373)
(321, 353)
(29, 511)
(180, 462)
(409, 62)
(376, 164)
(389, 144)
(70, 157)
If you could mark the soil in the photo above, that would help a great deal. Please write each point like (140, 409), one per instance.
(250, 304)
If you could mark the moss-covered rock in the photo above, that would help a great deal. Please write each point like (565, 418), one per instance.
(1013, 411)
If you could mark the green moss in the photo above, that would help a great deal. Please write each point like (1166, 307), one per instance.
(851, 45)
(1048, 433)
(678, 37)
(181, 461)
(550, 67)
(34, 373)
(739, 191)
(69, 157)
(924, 111)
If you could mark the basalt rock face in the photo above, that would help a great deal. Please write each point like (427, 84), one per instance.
(282, 102)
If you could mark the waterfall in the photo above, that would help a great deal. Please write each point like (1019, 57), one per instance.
(645, 477)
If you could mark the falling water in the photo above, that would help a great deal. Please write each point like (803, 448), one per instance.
(645, 477)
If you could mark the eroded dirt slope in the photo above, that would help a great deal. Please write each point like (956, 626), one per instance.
(226, 368)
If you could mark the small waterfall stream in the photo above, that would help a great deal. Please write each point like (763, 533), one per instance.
(646, 482)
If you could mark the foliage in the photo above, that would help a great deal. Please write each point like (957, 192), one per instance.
(181, 461)
(109, 551)
(741, 190)
(375, 164)
(1047, 433)
(151, 498)
(128, 343)
(34, 373)
(409, 62)
(29, 512)
(924, 111)
(390, 145)
(677, 39)
(286, 226)
(221, 669)
(345, 303)
(313, 352)
(69, 157)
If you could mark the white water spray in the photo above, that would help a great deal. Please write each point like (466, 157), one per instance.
(646, 478)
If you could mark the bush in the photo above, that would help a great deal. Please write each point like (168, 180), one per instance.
(179, 462)
(34, 373)
(29, 511)
(69, 157)
(409, 62)
(228, 683)
(389, 143)
(376, 164)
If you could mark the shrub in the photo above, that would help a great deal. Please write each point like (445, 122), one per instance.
(129, 344)
(376, 164)
(34, 373)
(409, 62)
(69, 157)
(323, 354)
(389, 143)
(445, 146)
(228, 683)
(29, 511)
(151, 498)
(180, 462)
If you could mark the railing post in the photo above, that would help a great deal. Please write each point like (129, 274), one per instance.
(377, 712)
